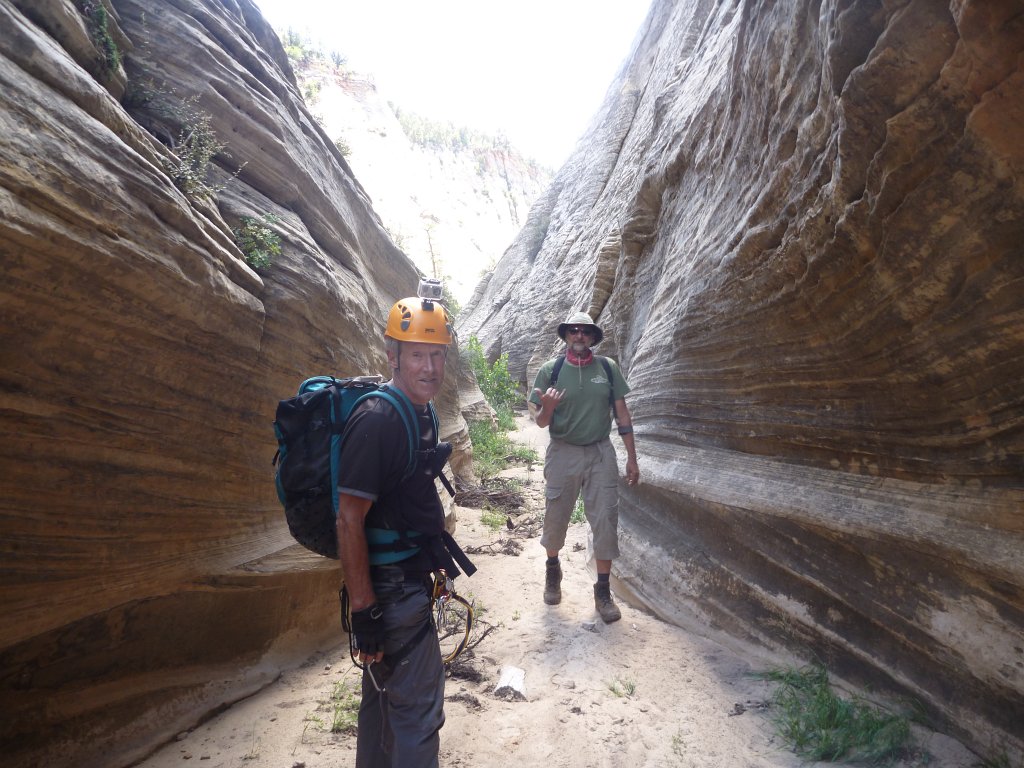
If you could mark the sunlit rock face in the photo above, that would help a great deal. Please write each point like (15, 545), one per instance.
(800, 225)
(146, 571)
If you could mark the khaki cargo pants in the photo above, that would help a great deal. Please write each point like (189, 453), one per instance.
(593, 468)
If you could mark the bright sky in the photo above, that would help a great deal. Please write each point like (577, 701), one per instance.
(536, 70)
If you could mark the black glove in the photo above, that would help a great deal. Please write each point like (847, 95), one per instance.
(368, 629)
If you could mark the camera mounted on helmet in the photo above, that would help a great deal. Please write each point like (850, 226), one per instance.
(430, 288)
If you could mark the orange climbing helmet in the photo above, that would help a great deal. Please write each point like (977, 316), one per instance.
(419, 319)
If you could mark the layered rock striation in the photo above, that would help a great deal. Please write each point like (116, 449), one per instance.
(800, 225)
(148, 576)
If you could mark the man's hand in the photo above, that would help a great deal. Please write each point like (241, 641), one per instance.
(632, 472)
(549, 400)
(368, 628)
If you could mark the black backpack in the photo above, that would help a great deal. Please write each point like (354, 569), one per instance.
(309, 429)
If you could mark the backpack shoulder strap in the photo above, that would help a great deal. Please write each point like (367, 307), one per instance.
(611, 381)
(408, 415)
(555, 370)
(437, 424)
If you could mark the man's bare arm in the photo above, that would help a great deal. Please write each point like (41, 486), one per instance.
(625, 422)
(353, 551)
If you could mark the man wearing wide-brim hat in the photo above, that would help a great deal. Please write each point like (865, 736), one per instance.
(574, 396)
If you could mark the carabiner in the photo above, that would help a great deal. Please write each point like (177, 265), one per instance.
(373, 680)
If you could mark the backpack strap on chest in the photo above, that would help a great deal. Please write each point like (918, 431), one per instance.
(407, 413)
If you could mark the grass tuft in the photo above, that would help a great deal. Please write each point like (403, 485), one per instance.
(622, 687)
(819, 725)
(345, 706)
(492, 519)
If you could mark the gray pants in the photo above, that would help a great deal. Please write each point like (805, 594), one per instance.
(400, 727)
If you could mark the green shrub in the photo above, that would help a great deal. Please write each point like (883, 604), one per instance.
(257, 241)
(506, 419)
(491, 447)
(493, 379)
(299, 49)
(448, 299)
(493, 450)
(311, 92)
(819, 725)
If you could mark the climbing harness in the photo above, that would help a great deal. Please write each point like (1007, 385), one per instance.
(452, 618)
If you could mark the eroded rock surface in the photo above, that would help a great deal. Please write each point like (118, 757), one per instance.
(800, 225)
(148, 576)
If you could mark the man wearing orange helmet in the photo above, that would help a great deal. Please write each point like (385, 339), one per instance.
(575, 395)
(391, 537)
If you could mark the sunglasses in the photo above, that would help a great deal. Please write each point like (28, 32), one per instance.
(586, 329)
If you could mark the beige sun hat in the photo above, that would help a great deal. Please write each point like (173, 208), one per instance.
(580, 318)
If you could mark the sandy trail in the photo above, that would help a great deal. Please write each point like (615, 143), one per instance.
(637, 693)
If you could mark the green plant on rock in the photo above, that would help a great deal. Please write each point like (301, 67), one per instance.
(97, 21)
(195, 149)
(257, 240)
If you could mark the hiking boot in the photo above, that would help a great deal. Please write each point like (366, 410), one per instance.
(553, 584)
(605, 605)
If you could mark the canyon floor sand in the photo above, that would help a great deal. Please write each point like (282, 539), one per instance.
(637, 693)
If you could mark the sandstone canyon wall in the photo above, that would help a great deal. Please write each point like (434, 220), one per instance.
(801, 225)
(147, 575)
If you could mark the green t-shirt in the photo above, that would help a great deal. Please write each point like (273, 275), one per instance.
(584, 415)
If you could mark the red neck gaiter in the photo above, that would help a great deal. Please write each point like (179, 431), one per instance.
(579, 360)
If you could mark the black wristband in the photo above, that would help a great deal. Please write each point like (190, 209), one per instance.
(626, 430)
